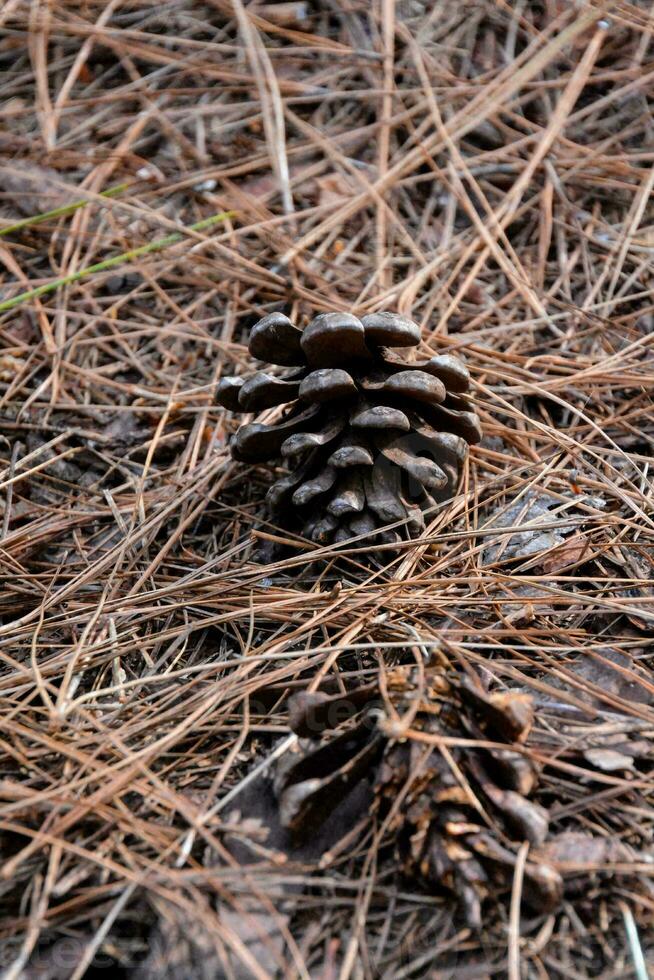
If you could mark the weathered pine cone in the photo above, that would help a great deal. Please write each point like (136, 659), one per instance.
(369, 438)
(458, 813)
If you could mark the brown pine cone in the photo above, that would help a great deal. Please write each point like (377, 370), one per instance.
(458, 811)
(369, 438)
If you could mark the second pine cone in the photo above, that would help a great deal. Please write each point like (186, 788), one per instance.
(369, 437)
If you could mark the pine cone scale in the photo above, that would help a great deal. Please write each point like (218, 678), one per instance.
(264, 391)
(382, 417)
(416, 385)
(390, 330)
(334, 338)
(301, 441)
(327, 384)
(257, 441)
(351, 454)
(276, 340)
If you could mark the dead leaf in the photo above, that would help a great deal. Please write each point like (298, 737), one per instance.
(576, 851)
(640, 566)
(566, 554)
(534, 509)
(33, 189)
(265, 186)
(615, 672)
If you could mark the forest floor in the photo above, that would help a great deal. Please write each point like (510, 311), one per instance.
(169, 173)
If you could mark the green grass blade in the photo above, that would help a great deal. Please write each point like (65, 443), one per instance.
(37, 219)
(116, 260)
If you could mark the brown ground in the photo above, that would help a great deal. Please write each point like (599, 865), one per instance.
(481, 165)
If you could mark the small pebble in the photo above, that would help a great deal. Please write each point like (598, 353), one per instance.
(206, 185)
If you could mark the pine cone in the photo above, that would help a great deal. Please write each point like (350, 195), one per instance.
(464, 809)
(370, 438)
